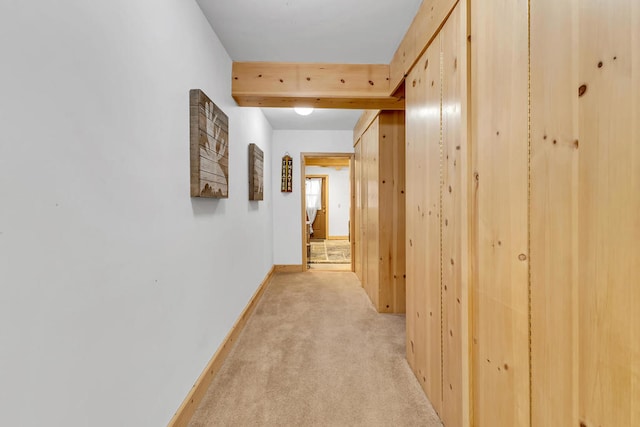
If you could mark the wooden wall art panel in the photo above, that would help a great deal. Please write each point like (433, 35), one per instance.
(256, 173)
(209, 142)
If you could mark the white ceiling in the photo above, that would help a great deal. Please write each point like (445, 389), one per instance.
(334, 31)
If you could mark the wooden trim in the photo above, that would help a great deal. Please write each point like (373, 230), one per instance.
(284, 84)
(192, 401)
(328, 161)
(337, 237)
(303, 160)
(289, 268)
(283, 100)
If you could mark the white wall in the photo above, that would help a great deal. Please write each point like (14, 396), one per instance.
(116, 287)
(339, 198)
(287, 207)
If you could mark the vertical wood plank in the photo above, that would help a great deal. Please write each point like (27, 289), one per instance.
(452, 193)
(399, 213)
(499, 82)
(391, 213)
(385, 144)
(357, 253)
(554, 163)
(423, 222)
(609, 205)
(372, 254)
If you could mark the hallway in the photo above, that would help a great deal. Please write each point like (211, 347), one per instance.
(315, 352)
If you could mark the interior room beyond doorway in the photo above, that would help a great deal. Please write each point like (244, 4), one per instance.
(327, 212)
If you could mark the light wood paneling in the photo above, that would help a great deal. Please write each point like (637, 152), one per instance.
(453, 190)
(609, 206)
(423, 175)
(359, 185)
(554, 163)
(380, 211)
(425, 26)
(190, 404)
(499, 84)
(392, 291)
(372, 226)
(363, 123)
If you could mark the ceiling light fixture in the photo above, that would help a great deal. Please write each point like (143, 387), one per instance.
(303, 111)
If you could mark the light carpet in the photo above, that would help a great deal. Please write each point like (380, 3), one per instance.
(316, 353)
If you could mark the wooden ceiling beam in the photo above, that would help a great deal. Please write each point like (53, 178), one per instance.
(349, 86)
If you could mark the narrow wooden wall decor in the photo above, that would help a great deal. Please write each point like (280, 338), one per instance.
(209, 146)
(256, 173)
(286, 182)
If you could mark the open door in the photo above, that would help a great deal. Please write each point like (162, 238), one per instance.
(317, 190)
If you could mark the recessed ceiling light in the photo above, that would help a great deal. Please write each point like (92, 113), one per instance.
(303, 111)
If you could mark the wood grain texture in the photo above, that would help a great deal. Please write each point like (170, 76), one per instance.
(309, 79)
(424, 321)
(190, 404)
(453, 190)
(347, 102)
(499, 107)
(363, 123)
(392, 291)
(554, 212)
(609, 202)
(272, 84)
(380, 211)
(372, 224)
(358, 215)
(209, 147)
(256, 172)
(422, 31)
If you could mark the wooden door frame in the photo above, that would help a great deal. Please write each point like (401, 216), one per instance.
(324, 198)
(303, 210)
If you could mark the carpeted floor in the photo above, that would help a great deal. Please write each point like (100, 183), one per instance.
(330, 252)
(316, 353)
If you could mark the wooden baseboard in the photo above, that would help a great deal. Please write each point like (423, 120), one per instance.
(291, 268)
(193, 399)
(338, 238)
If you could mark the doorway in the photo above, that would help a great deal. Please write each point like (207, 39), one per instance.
(327, 211)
